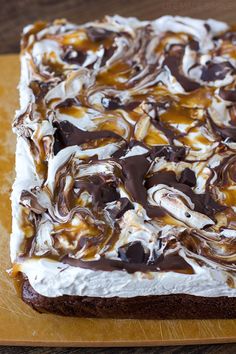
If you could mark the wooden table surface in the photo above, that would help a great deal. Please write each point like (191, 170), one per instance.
(14, 15)
(204, 349)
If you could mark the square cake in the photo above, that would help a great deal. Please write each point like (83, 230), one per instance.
(124, 203)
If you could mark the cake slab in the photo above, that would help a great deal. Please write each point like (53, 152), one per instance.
(20, 325)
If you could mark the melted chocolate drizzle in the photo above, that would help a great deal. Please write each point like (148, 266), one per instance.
(134, 170)
(30, 197)
(173, 60)
(169, 152)
(227, 95)
(102, 192)
(170, 262)
(151, 110)
(203, 203)
(224, 132)
(67, 134)
(69, 102)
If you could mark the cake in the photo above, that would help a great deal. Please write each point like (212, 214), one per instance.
(124, 203)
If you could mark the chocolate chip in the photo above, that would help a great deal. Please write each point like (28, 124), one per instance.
(132, 252)
(216, 71)
(188, 177)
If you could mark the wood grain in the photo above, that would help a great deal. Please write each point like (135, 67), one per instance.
(204, 349)
(14, 15)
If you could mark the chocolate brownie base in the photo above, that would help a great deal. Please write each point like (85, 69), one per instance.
(142, 307)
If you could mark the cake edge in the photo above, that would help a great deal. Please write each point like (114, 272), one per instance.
(174, 306)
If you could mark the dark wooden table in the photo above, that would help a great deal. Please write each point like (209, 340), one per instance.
(15, 14)
(204, 349)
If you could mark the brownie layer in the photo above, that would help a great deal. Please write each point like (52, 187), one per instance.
(142, 307)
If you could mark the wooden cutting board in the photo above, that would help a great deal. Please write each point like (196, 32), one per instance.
(19, 325)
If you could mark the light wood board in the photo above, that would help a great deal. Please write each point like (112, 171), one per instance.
(19, 325)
